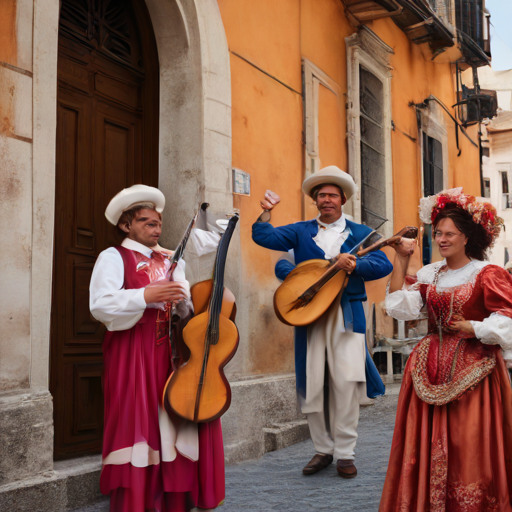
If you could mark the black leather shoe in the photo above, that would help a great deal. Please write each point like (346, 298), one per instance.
(317, 463)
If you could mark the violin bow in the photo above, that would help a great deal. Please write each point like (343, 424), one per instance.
(174, 259)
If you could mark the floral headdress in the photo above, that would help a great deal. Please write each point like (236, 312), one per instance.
(483, 213)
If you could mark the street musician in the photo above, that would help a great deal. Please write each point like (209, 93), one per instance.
(151, 461)
(338, 336)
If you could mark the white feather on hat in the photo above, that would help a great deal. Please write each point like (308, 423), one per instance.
(331, 175)
(131, 196)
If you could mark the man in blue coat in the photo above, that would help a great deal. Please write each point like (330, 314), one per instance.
(338, 336)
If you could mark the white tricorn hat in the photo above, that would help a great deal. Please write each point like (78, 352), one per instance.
(132, 196)
(330, 175)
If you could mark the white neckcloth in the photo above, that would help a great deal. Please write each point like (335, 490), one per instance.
(331, 237)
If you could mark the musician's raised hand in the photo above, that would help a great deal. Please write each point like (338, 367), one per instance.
(270, 200)
(346, 262)
(405, 247)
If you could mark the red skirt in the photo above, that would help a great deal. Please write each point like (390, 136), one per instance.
(176, 486)
(456, 457)
(136, 370)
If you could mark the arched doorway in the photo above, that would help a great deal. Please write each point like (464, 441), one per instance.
(107, 139)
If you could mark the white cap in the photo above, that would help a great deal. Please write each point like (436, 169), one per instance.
(132, 196)
(330, 175)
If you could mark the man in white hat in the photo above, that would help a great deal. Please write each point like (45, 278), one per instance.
(337, 337)
(150, 460)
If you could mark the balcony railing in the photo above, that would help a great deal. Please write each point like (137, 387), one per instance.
(473, 30)
(431, 21)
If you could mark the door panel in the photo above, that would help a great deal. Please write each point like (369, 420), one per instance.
(99, 151)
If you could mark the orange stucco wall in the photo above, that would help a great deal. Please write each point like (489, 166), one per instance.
(268, 137)
(8, 40)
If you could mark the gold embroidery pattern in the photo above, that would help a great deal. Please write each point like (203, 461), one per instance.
(438, 476)
(444, 393)
(474, 497)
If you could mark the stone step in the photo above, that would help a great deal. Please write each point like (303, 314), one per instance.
(72, 485)
(281, 435)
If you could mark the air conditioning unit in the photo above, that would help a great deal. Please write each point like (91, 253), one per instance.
(475, 105)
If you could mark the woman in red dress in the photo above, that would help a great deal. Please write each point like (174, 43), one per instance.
(452, 444)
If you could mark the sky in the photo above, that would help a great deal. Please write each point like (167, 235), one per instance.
(501, 33)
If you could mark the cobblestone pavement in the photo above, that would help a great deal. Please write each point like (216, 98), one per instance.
(275, 482)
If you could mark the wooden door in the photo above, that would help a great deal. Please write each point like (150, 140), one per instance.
(107, 139)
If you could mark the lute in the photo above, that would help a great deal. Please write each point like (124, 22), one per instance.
(310, 289)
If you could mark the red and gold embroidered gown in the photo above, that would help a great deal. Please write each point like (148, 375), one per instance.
(452, 444)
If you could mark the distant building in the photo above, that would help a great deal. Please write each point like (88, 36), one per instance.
(497, 157)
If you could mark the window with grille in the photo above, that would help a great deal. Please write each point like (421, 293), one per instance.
(373, 176)
(432, 166)
(432, 184)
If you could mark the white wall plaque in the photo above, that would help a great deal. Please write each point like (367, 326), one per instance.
(241, 182)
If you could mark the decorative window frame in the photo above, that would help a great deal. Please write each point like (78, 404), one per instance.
(313, 76)
(433, 125)
(366, 49)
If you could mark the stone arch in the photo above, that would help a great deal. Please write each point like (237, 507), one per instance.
(195, 109)
(195, 136)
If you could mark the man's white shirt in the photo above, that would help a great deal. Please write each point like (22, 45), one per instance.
(331, 237)
(109, 302)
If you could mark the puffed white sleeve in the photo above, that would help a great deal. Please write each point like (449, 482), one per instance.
(109, 302)
(404, 304)
(496, 330)
(200, 255)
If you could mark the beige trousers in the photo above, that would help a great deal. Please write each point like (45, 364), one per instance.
(339, 438)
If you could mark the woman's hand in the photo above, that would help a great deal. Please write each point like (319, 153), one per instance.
(270, 200)
(165, 291)
(405, 247)
(464, 326)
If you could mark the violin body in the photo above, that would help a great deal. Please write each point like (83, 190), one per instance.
(181, 389)
(201, 294)
(300, 279)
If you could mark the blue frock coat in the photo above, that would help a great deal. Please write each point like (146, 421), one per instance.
(375, 265)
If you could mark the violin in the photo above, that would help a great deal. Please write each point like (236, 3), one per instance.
(309, 290)
(198, 390)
